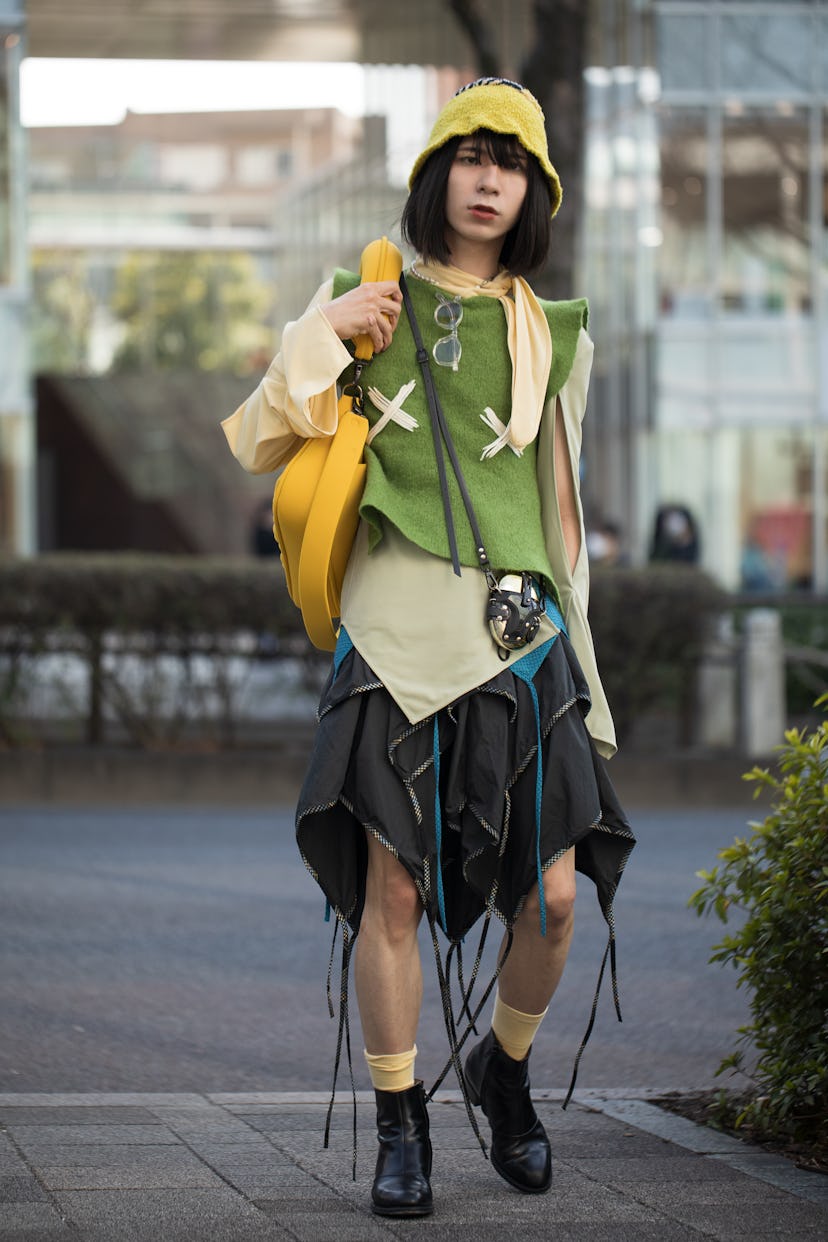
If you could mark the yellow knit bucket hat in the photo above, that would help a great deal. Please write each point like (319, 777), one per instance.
(503, 106)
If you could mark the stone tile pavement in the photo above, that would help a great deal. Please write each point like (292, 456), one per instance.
(252, 1168)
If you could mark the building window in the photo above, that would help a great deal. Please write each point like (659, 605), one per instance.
(684, 268)
(5, 173)
(683, 60)
(192, 166)
(764, 52)
(775, 502)
(260, 167)
(765, 258)
(823, 273)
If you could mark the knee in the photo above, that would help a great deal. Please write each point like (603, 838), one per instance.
(559, 895)
(392, 903)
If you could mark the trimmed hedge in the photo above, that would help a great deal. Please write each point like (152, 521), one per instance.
(649, 628)
(648, 624)
(172, 597)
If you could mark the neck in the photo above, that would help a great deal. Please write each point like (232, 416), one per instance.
(475, 259)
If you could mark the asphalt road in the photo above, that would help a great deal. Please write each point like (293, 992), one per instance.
(185, 950)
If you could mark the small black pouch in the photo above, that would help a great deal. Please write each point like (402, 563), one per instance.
(514, 611)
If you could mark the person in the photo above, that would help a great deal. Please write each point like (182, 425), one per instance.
(604, 545)
(449, 777)
(675, 535)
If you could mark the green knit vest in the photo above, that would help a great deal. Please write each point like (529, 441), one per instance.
(402, 483)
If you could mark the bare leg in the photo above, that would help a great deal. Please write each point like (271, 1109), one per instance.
(536, 963)
(387, 969)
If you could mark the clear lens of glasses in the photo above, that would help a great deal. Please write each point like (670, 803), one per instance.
(448, 350)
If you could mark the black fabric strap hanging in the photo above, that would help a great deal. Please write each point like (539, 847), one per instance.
(442, 436)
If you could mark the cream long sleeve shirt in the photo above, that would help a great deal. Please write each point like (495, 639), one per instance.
(419, 626)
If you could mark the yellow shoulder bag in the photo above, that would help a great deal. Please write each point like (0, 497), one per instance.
(317, 496)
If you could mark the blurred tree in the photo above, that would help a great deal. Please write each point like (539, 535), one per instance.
(204, 311)
(554, 72)
(62, 312)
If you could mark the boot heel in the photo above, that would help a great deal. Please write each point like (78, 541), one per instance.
(472, 1089)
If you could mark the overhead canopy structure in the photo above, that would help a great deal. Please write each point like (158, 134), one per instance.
(370, 31)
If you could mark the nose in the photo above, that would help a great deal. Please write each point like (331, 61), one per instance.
(488, 178)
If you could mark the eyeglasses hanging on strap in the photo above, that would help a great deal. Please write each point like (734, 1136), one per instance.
(448, 315)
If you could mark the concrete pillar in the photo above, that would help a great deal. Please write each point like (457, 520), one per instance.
(717, 706)
(763, 706)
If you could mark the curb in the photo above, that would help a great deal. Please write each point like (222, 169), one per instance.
(737, 1154)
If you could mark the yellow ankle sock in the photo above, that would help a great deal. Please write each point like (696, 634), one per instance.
(514, 1030)
(391, 1071)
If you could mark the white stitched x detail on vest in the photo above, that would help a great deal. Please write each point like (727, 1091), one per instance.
(392, 411)
(504, 436)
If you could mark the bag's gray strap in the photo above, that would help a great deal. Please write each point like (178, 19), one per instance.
(442, 436)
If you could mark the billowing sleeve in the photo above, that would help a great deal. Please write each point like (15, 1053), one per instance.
(573, 585)
(297, 397)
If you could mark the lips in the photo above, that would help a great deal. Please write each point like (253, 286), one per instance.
(481, 212)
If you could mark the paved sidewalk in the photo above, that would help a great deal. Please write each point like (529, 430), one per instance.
(249, 1167)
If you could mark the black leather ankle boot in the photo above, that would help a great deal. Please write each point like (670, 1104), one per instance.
(401, 1186)
(500, 1085)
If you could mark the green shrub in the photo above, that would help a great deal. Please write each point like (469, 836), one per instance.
(649, 628)
(171, 596)
(777, 879)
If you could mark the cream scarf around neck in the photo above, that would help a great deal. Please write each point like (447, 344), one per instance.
(527, 334)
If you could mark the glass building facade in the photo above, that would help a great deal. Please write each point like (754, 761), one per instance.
(706, 259)
(16, 439)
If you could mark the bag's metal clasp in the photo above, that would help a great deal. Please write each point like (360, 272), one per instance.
(353, 389)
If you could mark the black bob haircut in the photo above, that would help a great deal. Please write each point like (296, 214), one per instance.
(525, 247)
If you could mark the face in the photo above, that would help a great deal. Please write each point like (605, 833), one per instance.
(483, 199)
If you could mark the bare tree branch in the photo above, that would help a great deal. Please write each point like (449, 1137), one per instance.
(554, 73)
(479, 32)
